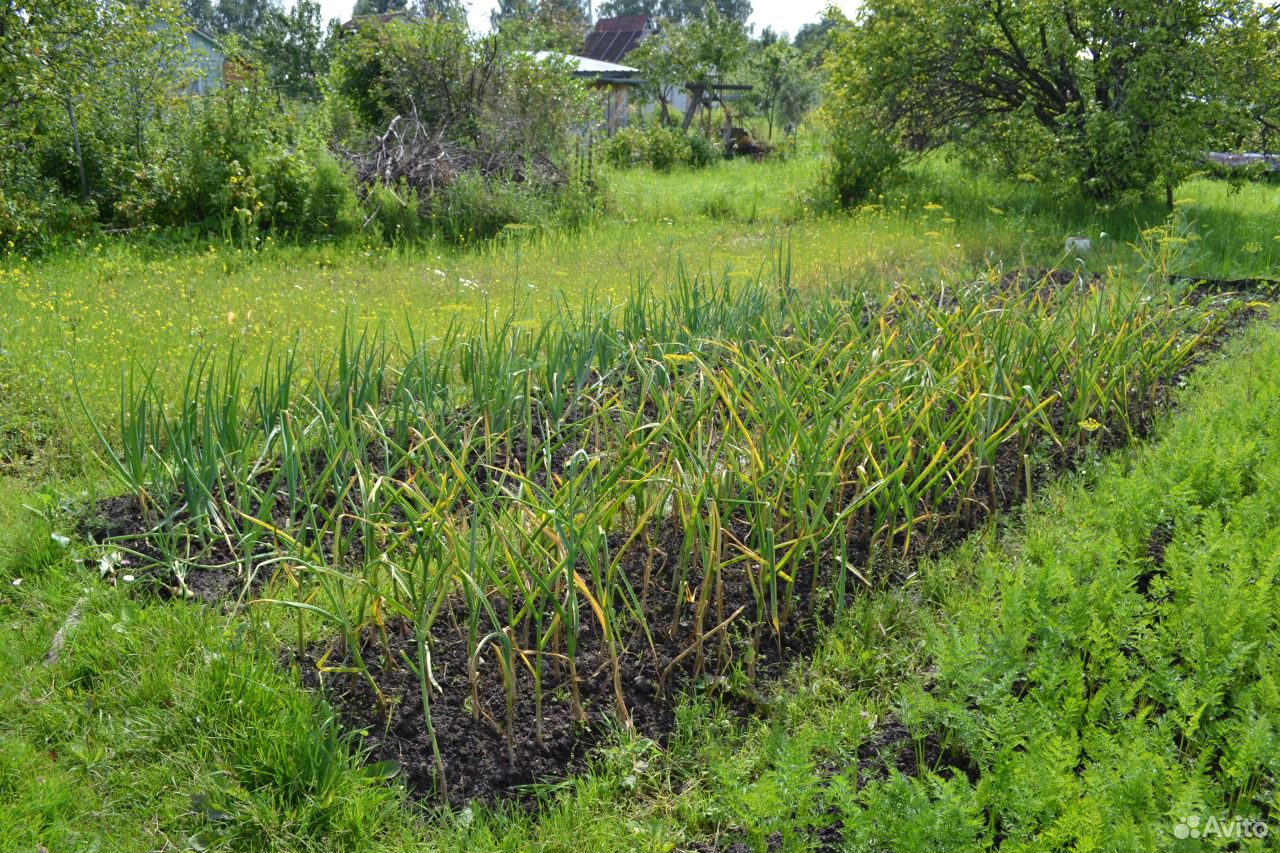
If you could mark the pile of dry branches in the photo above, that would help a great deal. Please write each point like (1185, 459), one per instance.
(429, 159)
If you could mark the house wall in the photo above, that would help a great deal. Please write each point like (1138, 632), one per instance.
(616, 109)
(614, 101)
(677, 101)
(206, 60)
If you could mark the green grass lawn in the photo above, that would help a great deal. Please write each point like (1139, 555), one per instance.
(1085, 674)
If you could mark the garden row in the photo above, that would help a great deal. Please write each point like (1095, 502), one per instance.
(519, 532)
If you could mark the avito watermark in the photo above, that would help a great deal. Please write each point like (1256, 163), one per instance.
(1195, 826)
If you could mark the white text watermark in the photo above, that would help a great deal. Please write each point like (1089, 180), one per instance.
(1196, 826)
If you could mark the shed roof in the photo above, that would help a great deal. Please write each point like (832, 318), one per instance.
(593, 69)
(623, 23)
(206, 37)
(614, 38)
(586, 65)
(1270, 162)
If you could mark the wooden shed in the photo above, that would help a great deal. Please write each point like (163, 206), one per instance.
(612, 84)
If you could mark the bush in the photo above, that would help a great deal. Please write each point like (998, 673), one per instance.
(482, 133)
(36, 213)
(862, 154)
(627, 148)
(667, 148)
(496, 121)
(861, 160)
(702, 153)
(331, 206)
(394, 213)
(284, 180)
(472, 208)
(663, 148)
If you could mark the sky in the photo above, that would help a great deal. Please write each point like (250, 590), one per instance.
(783, 15)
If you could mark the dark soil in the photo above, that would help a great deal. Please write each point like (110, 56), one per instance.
(828, 838)
(1158, 543)
(482, 759)
(892, 746)
(1046, 282)
(1262, 287)
(478, 758)
(121, 518)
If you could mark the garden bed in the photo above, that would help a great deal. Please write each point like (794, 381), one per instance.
(626, 579)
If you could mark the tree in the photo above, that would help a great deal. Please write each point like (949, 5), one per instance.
(663, 59)
(244, 18)
(687, 11)
(201, 14)
(716, 45)
(451, 10)
(1255, 62)
(784, 88)
(96, 65)
(813, 40)
(291, 48)
(675, 11)
(378, 7)
(81, 86)
(1113, 97)
(629, 8)
(862, 152)
(697, 55)
(542, 24)
(446, 10)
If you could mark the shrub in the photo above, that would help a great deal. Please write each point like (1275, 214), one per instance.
(394, 212)
(661, 147)
(34, 212)
(627, 148)
(480, 131)
(861, 153)
(702, 153)
(861, 159)
(472, 208)
(284, 180)
(667, 148)
(331, 206)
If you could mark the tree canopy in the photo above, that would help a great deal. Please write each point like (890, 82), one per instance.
(677, 11)
(703, 51)
(542, 24)
(223, 17)
(378, 7)
(1112, 96)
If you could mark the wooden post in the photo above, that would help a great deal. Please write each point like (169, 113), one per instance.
(728, 126)
(75, 141)
(695, 98)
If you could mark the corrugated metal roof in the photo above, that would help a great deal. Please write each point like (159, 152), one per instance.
(588, 67)
(1271, 162)
(626, 22)
(614, 38)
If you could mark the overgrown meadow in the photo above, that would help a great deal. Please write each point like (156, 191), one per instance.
(734, 220)
(357, 535)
